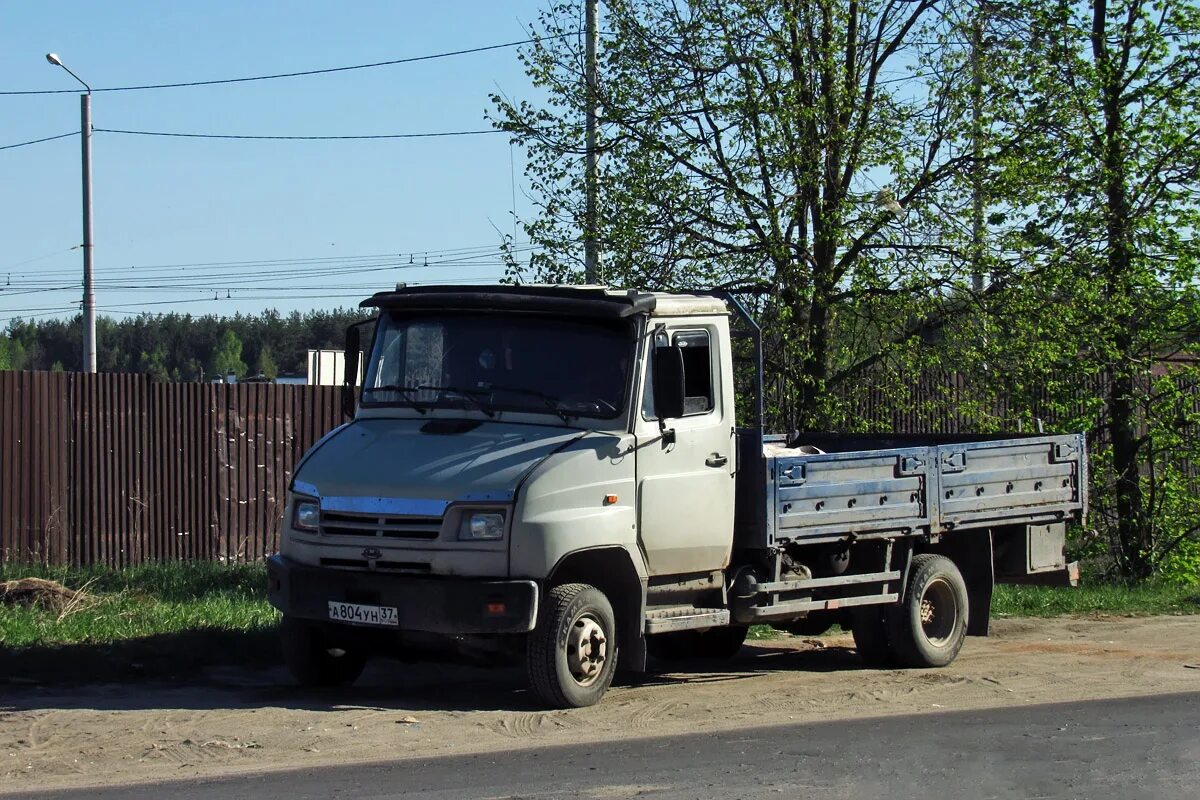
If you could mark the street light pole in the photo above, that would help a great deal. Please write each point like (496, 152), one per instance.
(89, 294)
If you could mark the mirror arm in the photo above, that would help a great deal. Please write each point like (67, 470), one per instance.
(667, 434)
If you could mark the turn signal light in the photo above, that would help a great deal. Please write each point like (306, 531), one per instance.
(496, 609)
(610, 499)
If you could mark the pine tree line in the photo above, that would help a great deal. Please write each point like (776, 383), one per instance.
(181, 347)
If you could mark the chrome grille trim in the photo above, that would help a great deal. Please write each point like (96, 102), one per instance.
(380, 526)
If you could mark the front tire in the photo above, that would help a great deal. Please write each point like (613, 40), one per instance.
(313, 660)
(572, 653)
(928, 628)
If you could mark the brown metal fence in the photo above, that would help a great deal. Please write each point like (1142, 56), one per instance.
(114, 469)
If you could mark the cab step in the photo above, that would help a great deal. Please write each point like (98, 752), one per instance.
(682, 618)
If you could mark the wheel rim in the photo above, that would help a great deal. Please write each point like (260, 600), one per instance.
(587, 649)
(938, 612)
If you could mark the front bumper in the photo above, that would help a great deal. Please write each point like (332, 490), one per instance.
(435, 605)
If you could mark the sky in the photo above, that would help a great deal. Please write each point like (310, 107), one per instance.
(254, 224)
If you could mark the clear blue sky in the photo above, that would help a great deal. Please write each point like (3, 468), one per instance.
(163, 201)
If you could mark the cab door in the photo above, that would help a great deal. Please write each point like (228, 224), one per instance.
(686, 486)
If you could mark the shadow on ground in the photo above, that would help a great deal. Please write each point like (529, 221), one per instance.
(224, 669)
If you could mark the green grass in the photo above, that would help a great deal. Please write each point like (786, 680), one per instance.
(1095, 598)
(150, 621)
(141, 601)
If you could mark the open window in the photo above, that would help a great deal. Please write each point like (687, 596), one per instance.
(697, 371)
(695, 352)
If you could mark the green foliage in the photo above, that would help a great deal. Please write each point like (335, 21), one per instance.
(1101, 207)
(227, 357)
(12, 353)
(265, 365)
(175, 347)
(767, 146)
(154, 364)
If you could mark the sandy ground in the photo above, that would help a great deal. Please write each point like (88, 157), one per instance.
(235, 720)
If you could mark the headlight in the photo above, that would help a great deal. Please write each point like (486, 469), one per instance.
(482, 526)
(307, 516)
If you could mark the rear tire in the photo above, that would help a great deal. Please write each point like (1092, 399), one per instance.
(871, 637)
(311, 658)
(928, 628)
(714, 643)
(571, 655)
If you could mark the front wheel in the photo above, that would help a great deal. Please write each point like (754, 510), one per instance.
(927, 629)
(572, 653)
(315, 661)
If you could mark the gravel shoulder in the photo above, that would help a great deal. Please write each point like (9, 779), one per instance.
(233, 721)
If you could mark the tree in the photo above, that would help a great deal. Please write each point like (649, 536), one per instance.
(1098, 221)
(154, 364)
(227, 357)
(266, 363)
(769, 145)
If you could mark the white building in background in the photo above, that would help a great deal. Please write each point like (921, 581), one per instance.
(325, 368)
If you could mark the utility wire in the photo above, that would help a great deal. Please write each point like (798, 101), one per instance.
(39, 141)
(287, 266)
(50, 311)
(305, 138)
(300, 74)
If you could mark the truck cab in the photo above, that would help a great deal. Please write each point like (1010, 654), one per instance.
(556, 474)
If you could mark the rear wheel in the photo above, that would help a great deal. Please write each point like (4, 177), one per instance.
(572, 653)
(928, 628)
(712, 643)
(314, 660)
(870, 629)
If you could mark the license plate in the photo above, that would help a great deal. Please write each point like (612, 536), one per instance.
(364, 615)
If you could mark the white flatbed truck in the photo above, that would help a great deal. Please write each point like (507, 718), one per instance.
(556, 474)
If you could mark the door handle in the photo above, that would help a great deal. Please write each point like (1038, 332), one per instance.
(716, 460)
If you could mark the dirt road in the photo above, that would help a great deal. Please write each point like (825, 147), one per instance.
(234, 721)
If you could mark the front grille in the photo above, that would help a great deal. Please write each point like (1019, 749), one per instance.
(345, 523)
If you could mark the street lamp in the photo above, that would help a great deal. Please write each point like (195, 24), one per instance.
(89, 295)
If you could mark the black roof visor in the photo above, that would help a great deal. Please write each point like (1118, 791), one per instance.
(588, 301)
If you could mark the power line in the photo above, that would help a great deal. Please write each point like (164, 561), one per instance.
(49, 311)
(39, 141)
(299, 74)
(302, 138)
(288, 266)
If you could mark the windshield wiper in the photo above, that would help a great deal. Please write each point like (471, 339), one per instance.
(394, 387)
(469, 394)
(551, 402)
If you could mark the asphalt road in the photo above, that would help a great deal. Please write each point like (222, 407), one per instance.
(1145, 747)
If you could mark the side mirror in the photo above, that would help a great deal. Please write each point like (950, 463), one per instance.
(667, 367)
(350, 371)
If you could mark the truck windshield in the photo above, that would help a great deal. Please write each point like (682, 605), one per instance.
(494, 363)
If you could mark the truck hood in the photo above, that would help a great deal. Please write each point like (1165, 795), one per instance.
(438, 459)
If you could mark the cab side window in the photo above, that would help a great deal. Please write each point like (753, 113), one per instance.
(697, 376)
(697, 371)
